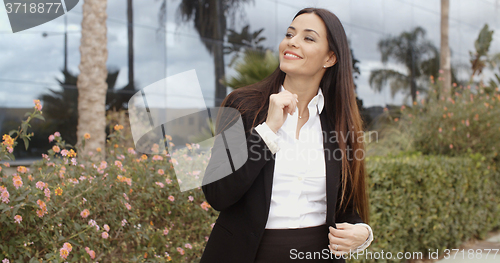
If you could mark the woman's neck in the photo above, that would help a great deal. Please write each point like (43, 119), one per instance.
(305, 89)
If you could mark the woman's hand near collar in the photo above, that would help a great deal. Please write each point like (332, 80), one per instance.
(280, 105)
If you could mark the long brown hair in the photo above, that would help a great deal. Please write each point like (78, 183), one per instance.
(341, 108)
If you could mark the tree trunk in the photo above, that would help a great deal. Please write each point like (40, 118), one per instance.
(444, 60)
(130, 33)
(220, 89)
(91, 82)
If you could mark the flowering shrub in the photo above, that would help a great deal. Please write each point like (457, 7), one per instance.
(126, 208)
(466, 122)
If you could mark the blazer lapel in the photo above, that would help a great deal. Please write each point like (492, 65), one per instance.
(333, 167)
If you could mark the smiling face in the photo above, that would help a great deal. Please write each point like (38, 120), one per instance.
(304, 50)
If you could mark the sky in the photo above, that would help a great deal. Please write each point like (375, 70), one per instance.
(30, 63)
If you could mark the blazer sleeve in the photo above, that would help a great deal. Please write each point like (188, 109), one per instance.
(226, 191)
(350, 215)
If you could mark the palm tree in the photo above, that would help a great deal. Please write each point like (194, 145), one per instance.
(410, 49)
(445, 47)
(91, 82)
(256, 66)
(210, 23)
(130, 39)
(243, 40)
(61, 106)
(481, 58)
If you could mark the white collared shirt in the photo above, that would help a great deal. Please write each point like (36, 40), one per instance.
(298, 196)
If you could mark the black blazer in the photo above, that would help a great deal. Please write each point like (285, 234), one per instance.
(243, 198)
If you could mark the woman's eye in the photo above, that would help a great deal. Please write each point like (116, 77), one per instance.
(307, 38)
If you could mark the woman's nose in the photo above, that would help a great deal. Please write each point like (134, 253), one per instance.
(292, 42)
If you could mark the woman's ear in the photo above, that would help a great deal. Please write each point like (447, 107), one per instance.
(332, 60)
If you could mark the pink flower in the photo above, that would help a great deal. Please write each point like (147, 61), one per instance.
(171, 198)
(57, 134)
(131, 151)
(10, 149)
(205, 205)
(64, 152)
(187, 245)
(180, 250)
(63, 252)
(128, 206)
(92, 222)
(73, 161)
(67, 246)
(85, 213)
(18, 219)
(190, 198)
(118, 163)
(105, 235)
(106, 227)
(5, 196)
(168, 181)
(165, 231)
(160, 184)
(157, 158)
(51, 138)
(18, 182)
(103, 165)
(161, 172)
(92, 254)
(47, 192)
(124, 222)
(46, 157)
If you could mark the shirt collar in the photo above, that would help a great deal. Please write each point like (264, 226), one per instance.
(320, 102)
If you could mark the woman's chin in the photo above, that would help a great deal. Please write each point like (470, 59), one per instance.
(287, 69)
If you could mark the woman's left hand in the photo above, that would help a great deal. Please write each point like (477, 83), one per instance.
(348, 237)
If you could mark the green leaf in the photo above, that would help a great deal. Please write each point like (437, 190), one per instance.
(12, 132)
(27, 114)
(38, 116)
(26, 142)
(14, 212)
(24, 127)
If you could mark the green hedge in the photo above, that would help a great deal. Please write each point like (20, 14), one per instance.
(423, 202)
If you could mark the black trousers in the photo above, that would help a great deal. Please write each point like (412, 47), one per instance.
(308, 244)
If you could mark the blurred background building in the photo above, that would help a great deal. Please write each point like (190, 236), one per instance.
(160, 38)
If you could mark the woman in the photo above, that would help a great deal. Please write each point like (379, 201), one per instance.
(302, 124)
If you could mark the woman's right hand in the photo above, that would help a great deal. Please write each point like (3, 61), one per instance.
(280, 104)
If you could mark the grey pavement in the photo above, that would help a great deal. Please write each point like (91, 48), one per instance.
(483, 251)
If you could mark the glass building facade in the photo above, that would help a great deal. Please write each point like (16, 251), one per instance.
(31, 61)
